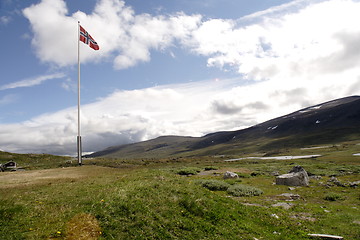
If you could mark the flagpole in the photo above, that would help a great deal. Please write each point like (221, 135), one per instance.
(79, 147)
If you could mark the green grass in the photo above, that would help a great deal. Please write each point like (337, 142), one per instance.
(189, 171)
(215, 185)
(37, 161)
(333, 197)
(241, 190)
(144, 199)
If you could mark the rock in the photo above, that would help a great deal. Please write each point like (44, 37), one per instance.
(297, 169)
(315, 177)
(284, 205)
(325, 236)
(228, 175)
(304, 216)
(275, 173)
(296, 177)
(335, 181)
(354, 184)
(289, 196)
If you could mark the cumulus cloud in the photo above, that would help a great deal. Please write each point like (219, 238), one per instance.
(286, 40)
(309, 41)
(122, 35)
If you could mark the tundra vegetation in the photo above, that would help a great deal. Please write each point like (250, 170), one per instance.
(180, 198)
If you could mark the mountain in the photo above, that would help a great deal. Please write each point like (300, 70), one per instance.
(327, 123)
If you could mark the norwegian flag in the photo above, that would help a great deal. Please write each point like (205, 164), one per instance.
(87, 39)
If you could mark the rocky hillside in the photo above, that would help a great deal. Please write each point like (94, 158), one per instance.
(327, 123)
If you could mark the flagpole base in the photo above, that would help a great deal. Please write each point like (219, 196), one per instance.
(79, 150)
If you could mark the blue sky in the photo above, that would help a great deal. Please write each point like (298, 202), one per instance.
(185, 67)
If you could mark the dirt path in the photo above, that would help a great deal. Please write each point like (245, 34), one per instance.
(20, 178)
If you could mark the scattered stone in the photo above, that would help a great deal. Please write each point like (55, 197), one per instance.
(315, 177)
(335, 181)
(254, 204)
(304, 216)
(325, 236)
(284, 205)
(325, 210)
(291, 188)
(228, 175)
(275, 216)
(275, 173)
(296, 177)
(356, 222)
(354, 184)
(289, 196)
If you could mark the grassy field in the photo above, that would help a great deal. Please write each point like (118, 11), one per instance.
(182, 198)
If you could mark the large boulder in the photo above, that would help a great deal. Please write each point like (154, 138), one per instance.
(296, 177)
(228, 175)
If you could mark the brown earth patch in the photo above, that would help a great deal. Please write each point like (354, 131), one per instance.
(23, 178)
(83, 227)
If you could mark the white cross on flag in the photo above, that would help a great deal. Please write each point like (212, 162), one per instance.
(87, 39)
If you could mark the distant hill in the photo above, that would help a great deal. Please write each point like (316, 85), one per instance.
(327, 123)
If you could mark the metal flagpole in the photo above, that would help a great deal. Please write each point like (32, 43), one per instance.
(79, 147)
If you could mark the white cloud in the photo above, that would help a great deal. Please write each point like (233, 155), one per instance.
(313, 40)
(7, 99)
(32, 81)
(276, 10)
(69, 85)
(4, 20)
(54, 34)
(120, 33)
(289, 39)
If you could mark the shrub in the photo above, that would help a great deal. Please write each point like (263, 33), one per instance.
(215, 185)
(188, 171)
(233, 181)
(254, 174)
(240, 190)
(333, 197)
(243, 175)
(209, 168)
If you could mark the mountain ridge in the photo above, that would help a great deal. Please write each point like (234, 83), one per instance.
(325, 123)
